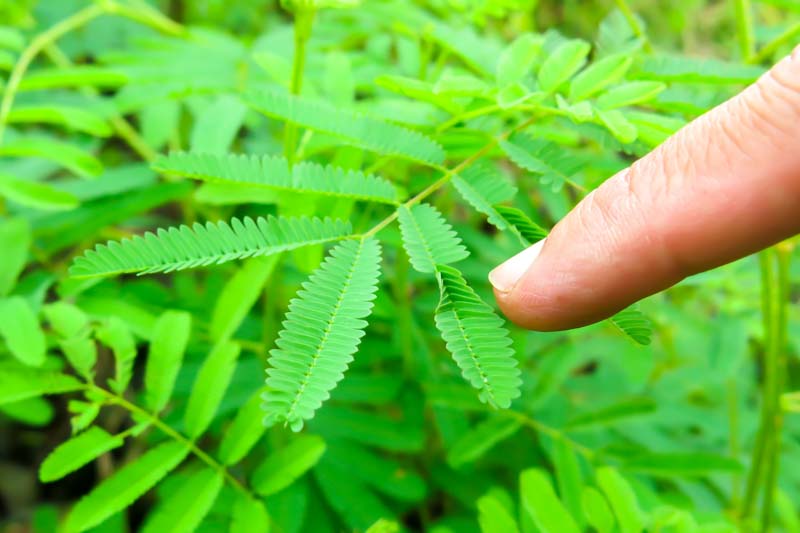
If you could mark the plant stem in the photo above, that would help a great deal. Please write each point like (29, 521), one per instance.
(783, 253)
(769, 49)
(733, 431)
(762, 437)
(551, 432)
(633, 22)
(744, 28)
(114, 398)
(37, 45)
(448, 174)
(303, 23)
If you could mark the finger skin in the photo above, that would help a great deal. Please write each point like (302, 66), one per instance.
(723, 187)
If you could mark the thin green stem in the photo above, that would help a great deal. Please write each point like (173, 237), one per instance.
(448, 175)
(633, 22)
(475, 113)
(143, 414)
(551, 432)
(733, 431)
(783, 254)
(37, 45)
(303, 23)
(743, 11)
(769, 49)
(762, 437)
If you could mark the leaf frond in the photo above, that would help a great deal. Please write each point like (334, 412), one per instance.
(428, 239)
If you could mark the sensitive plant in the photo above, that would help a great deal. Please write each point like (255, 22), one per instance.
(379, 158)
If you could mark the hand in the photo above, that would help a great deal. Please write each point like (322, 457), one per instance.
(723, 187)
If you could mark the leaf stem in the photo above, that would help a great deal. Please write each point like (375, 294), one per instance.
(552, 432)
(633, 22)
(769, 49)
(303, 23)
(743, 11)
(448, 174)
(154, 419)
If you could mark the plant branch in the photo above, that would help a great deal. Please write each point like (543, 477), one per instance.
(744, 28)
(769, 49)
(552, 432)
(154, 419)
(303, 23)
(633, 22)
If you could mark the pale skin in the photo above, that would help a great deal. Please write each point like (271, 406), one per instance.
(723, 187)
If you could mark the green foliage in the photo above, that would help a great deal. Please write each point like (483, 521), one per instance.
(349, 168)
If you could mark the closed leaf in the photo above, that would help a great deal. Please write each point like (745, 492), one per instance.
(15, 239)
(631, 93)
(72, 118)
(282, 467)
(622, 499)
(77, 452)
(596, 510)
(69, 156)
(619, 126)
(528, 231)
(428, 239)
(562, 64)
(249, 515)
(493, 516)
(20, 329)
(209, 387)
(19, 382)
(117, 336)
(599, 75)
(683, 465)
(167, 346)
(184, 509)
(540, 502)
(480, 439)
(243, 433)
(518, 59)
(38, 195)
(125, 486)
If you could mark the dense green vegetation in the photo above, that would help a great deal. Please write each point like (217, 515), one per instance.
(195, 191)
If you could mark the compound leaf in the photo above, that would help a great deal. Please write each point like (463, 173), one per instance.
(184, 509)
(634, 324)
(428, 238)
(274, 173)
(322, 331)
(476, 338)
(178, 248)
(482, 186)
(360, 130)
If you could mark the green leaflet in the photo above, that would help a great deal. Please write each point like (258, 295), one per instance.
(68, 156)
(167, 346)
(38, 195)
(619, 126)
(321, 333)
(18, 383)
(20, 329)
(599, 75)
(528, 231)
(77, 452)
(622, 499)
(72, 118)
(540, 502)
(695, 70)
(360, 130)
(476, 338)
(249, 515)
(213, 243)
(184, 509)
(562, 64)
(682, 465)
(555, 165)
(274, 173)
(209, 387)
(493, 516)
(635, 324)
(631, 93)
(568, 477)
(480, 439)
(117, 336)
(482, 186)
(428, 238)
(518, 58)
(15, 238)
(66, 319)
(239, 295)
(125, 486)
(243, 433)
(281, 468)
(595, 508)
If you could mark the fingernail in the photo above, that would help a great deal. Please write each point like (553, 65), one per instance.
(506, 276)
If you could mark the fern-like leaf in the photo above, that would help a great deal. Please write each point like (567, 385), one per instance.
(274, 173)
(358, 129)
(428, 238)
(321, 333)
(482, 186)
(634, 324)
(528, 231)
(178, 248)
(477, 339)
(555, 165)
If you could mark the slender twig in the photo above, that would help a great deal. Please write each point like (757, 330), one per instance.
(162, 426)
(769, 49)
(551, 432)
(303, 23)
(744, 28)
(447, 176)
(633, 22)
